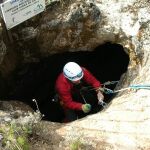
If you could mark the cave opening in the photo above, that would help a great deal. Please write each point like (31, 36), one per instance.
(37, 80)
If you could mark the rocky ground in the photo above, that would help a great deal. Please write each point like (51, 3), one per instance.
(84, 25)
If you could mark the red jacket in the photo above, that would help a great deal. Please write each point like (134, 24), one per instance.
(64, 86)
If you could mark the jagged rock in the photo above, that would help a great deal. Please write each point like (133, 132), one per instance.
(83, 25)
(14, 105)
(73, 29)
(2, 45)
(125, 123)
(28, 33)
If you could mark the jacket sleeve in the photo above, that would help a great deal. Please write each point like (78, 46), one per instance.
(67, 100)
(90, 79)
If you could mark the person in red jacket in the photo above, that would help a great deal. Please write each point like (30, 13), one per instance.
(69, 85)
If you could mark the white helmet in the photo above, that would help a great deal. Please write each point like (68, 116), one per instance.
(72, 71)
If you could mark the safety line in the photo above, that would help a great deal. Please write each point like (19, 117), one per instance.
(136, 87)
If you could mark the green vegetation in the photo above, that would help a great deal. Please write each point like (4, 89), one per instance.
(15, 136)
(76, 144)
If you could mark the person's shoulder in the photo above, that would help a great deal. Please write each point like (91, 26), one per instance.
(60, 77)
(62, 83)
(84, 69)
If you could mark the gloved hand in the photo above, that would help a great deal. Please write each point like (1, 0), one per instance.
(86, 108)
(100, 97)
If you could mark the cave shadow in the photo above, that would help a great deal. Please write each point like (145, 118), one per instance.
(37, 80)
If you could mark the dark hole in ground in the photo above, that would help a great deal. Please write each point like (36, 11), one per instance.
(36, 80)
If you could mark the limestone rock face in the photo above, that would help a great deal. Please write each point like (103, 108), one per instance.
(125, 123)
(72, 27)
(83, 25)
(2, 45)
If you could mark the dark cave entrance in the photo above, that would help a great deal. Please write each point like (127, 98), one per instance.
(37, 80)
